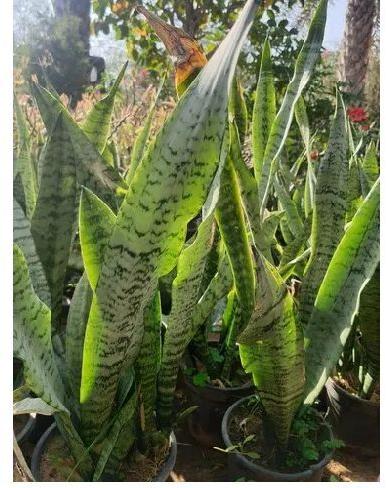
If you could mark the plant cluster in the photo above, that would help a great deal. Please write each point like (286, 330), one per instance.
(225, 243)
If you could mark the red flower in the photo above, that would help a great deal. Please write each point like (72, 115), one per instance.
(357, 114)
(314, 155)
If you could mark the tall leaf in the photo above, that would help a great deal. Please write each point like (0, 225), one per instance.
(32, 337)
(231, 222)
(305, 63)
(185, 295)
(54, 220)
(23, 238)
(75, 331)
(24, 163)
(97, 124)
(167, 191)
(271, 348)
(264, 110)
(309, 188)
(369, 168)
(336, 304)
(329, 214)
(147, 364)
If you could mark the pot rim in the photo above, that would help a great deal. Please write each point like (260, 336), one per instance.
(162, 475)
(262, 470)
(27, 429)
(356, 398)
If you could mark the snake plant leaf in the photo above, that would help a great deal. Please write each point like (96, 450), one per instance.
(23, 238)
(32, 344)
(24, 163)
(33, 405)
(249, 193)
(219, 286)
(113, 450)
(304, 65)
(369, 169)
(32, 337)
(238, 109)
(110, 154)
(96, 221)
(97, 123)
(233, 230)
(355, 195)
(271, 223)
(293, 218)
(304, 127)
(54, 219)
(148, 362)
(49, 105)
(336, 304)
(18, 191)
(271, 348)
(167, 191)
(264, 110)
(142, 139)
(185, 295)
(329, 214)
(92, 170)
(368, 321)
(75, 331)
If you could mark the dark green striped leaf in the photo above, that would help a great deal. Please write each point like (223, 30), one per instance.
(167, 191)
(233, 230)
(148, 363)
(281, 125)
(185, 295)
(24, 163)
(23, 238)
(75, 331)
(264, 110)
(329, 214)
(336, 304)
(32, 337)
(54, 220)
(96, 222)
(271, 348)
(97, 124)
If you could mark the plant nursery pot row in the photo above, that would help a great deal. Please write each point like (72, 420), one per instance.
(354, 420)
(42, 447)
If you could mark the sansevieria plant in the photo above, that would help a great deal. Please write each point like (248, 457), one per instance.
(293, 339)
(274, 228)
(105, 383)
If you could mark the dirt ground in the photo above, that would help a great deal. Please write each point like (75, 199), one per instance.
(195, 463)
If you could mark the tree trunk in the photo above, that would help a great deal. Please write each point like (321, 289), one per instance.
(71, 52)
(360, 20)
(80, 9)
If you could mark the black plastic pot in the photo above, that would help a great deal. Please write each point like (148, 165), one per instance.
(41, 446)
(354, 420)
(27, 431)
(240, 466)
(205, 422)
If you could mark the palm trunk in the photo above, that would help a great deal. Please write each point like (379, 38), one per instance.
(360, 19)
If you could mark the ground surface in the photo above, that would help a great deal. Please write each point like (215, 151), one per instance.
(195, 463)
